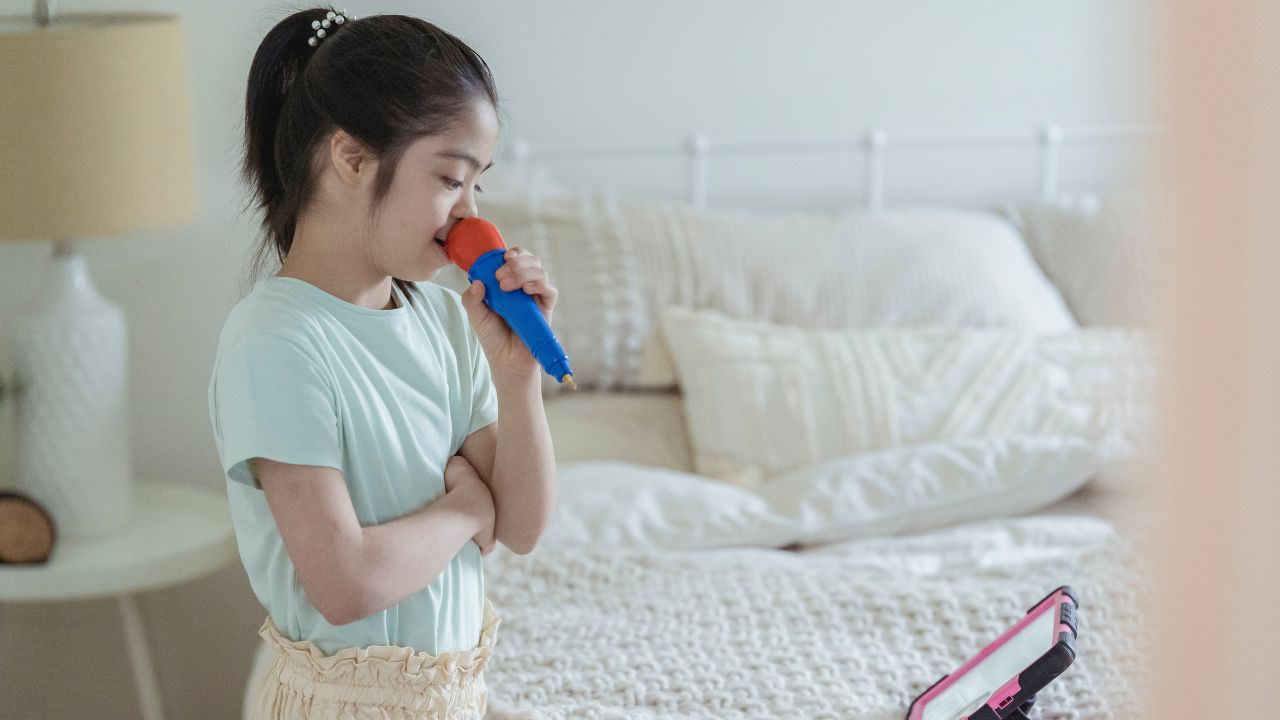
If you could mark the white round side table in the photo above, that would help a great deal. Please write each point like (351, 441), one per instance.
(176, 533)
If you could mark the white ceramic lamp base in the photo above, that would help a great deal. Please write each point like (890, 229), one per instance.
(73, 428)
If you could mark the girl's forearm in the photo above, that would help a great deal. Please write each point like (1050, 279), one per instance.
(398, 558)
(524, 468)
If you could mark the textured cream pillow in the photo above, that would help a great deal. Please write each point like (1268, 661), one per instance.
(763, 399)
(618, 261)
(1106, 254)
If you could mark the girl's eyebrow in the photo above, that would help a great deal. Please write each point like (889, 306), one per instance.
(460, 155)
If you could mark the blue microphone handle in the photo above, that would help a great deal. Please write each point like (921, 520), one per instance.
(522, 315)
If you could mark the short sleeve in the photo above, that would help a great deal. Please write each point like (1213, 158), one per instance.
(270, 398)
(484, 399)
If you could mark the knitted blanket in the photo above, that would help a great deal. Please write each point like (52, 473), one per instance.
(853, 630)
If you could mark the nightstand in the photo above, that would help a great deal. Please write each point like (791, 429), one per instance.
(176, 533)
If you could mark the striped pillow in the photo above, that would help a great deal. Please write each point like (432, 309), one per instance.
(764, 399)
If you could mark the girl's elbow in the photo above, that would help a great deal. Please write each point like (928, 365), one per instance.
(338, 603)
(522, 544)
(520, 549)
(340, 614)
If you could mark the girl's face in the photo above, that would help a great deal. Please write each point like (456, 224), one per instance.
(433, 188)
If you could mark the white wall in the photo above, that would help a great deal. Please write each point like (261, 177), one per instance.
(569, 70)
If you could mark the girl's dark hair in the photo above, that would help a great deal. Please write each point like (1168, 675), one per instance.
(387, 80)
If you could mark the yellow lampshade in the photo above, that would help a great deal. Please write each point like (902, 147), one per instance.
(95, 134)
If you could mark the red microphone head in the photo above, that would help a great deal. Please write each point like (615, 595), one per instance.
(470, 238)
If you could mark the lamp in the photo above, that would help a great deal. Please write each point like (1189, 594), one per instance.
(94, 141)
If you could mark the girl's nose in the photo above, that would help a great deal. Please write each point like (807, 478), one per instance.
(466, 207)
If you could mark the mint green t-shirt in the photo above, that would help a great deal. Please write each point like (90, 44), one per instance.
(387, 397)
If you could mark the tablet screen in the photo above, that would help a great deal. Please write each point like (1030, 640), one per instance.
(970, 691)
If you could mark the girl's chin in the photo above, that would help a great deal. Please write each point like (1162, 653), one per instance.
(431, 264)
(430, 270)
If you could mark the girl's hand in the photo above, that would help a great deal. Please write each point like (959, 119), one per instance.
(460, 476)
(508, 358)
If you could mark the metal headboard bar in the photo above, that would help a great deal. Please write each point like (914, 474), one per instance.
(873, 145)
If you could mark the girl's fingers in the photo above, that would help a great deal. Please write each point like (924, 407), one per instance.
(519, 270)
(516, 264)
(524, 277)
(524, 270)
(541, 287)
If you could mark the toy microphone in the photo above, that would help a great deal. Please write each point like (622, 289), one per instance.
(476, 246)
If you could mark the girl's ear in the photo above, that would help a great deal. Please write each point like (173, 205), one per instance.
(350, 158)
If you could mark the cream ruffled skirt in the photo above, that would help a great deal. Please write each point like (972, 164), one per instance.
(379, 682)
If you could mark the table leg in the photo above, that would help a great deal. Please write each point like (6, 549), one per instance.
(144, 673)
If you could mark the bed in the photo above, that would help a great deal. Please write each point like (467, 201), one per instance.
(853, 630)
(809, 484)
(661, 594)
(731, 543)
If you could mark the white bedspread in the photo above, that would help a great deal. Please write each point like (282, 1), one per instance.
(852, 630)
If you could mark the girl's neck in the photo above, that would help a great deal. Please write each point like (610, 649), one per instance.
(326, 256)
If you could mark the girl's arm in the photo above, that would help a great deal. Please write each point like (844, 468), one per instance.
(350, 572)
(515, 458)
(514, 455)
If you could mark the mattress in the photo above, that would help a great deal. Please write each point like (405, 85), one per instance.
(847, 630)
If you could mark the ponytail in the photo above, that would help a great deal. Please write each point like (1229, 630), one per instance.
(277, 67)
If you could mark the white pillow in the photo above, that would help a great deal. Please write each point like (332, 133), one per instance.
(763, 399)
(618, 503)
(618, 261)
(912, 488)
(908, 488)
(896, 268)
(1106, 254)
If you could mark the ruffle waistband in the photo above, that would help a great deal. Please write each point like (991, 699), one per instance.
(385, 675)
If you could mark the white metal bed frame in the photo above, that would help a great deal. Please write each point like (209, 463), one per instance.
(873, 145)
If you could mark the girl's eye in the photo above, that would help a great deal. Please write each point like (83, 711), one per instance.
(455, 184)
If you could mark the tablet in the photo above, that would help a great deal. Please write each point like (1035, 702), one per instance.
(1002, 680)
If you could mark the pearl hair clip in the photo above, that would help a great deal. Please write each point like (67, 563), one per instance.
(322, 26)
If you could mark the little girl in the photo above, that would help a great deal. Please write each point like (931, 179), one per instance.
(354, 406)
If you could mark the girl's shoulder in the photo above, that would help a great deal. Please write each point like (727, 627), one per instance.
(282, 310)
(269, 311)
